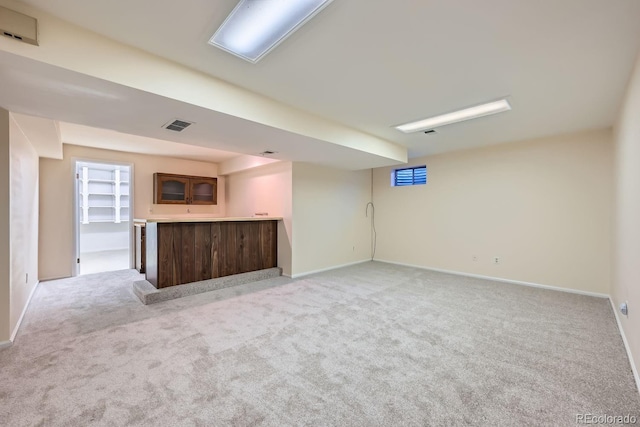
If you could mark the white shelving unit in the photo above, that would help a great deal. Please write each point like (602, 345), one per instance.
(105, 194)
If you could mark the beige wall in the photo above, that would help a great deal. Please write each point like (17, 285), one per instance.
(24, 222)
(5, 239)
(329, 223)
(56, 199)
(18, 224)
(626, 223)
(265, 189)
(542, 207)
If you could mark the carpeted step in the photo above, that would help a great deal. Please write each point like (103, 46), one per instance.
(148, 294)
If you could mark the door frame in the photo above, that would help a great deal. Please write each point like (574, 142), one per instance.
(75, 254)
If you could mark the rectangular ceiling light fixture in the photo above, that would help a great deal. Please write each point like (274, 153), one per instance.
(456, 116)
(255, 27)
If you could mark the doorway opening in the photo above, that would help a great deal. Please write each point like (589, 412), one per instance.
(103, 217)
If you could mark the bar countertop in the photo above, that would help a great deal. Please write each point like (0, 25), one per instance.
(206, 219)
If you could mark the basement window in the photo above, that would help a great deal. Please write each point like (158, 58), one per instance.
(416, 175)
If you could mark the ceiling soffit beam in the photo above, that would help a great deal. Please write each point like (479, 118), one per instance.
(43, 134)
(243, 163)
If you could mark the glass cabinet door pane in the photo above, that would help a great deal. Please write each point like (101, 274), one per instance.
(173, 190)
(202, 192)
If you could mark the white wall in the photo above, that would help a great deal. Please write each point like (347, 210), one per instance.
(104, 236)
(5, 225)
(626, 222)
(24, 222)
(267, 189)
(329, 223)
(56, 199)
(542, 207)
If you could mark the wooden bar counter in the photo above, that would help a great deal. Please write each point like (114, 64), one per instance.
(186, 250)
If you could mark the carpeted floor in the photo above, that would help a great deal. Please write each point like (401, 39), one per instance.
(102, 261)
(368, 345)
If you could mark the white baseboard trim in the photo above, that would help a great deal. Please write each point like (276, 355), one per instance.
(626, 344)
(307, 273)
(499, 279)
(48, 279)
(5, 344)
(24, 310)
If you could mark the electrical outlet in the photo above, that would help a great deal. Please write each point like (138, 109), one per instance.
(496, 260)
(474, 258)
(624, 308)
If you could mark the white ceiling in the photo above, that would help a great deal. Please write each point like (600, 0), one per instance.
(374, 64)
(108, 139)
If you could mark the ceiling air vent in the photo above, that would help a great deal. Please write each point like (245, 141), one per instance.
(430, 131)
(177, 125)
(268, 153)
(18, 26)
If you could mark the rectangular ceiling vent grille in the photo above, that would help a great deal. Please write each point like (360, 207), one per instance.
(19, 27)
(177, 125)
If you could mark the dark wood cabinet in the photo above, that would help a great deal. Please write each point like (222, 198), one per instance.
(184, 190)
(185, 252)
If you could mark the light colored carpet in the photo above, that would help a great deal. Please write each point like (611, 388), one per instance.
(368, 345)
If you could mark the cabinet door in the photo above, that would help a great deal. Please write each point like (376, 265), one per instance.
(171, 189)
(203, 191)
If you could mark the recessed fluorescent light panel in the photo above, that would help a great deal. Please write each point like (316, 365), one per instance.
(457, 116)
(255, 27)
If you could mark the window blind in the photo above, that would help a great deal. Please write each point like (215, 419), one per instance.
(410, 176)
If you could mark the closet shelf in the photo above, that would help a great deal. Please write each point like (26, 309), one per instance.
(104, 192)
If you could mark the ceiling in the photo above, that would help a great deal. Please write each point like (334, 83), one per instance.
(97, 113)
(88, 136)
(370, 65)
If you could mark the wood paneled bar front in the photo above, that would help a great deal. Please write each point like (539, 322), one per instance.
(180, 251)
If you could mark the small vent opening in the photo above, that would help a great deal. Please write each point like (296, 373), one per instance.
(268, 153)
(430, 131)
(20, 27)
(177, 125)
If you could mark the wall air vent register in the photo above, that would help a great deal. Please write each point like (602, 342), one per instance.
(18, 26)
